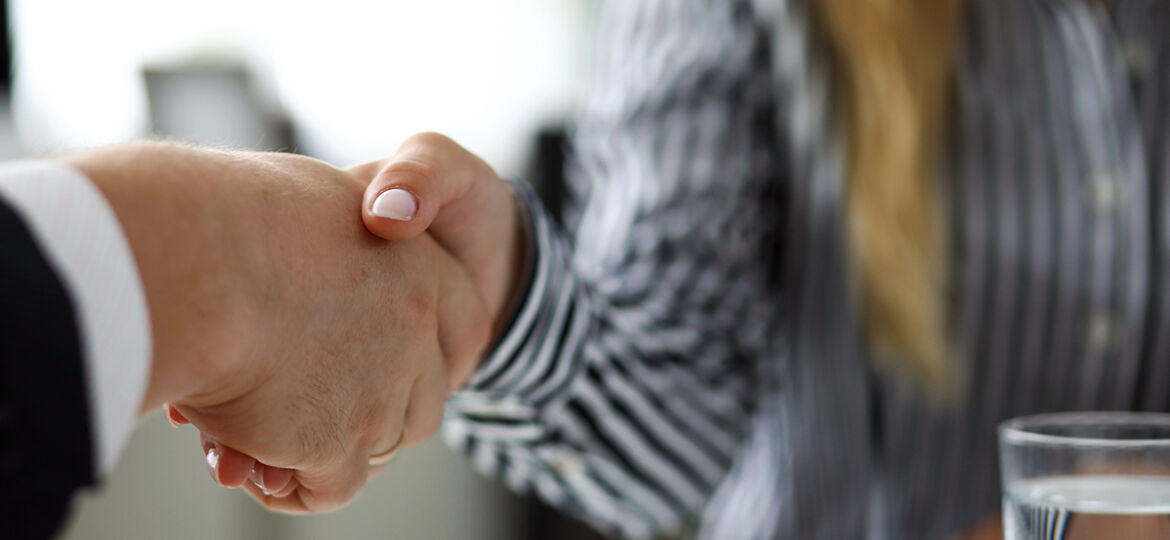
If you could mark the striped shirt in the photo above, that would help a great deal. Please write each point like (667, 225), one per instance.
(690, 347)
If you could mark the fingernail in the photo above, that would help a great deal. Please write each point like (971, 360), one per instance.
(286, 490)
(397, 204)
(174, 417)
(257, 477)
(170, 419)
(213, 463)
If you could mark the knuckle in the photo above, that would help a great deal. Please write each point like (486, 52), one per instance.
(474, 341)
(266, 502)
(424, 426)
(422, 304)
(428, 326)
(347, 495)
(412, 170)
(481, 335)
(430, 139)
(337, 498)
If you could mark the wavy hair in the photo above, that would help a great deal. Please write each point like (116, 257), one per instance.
(895, 62)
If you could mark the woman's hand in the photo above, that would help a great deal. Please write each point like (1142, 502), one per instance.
(432, 184)
(281, 328)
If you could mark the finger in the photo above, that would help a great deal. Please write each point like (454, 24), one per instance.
(424, 412)
(290, 503)
(315, 491)
(227, 466)
(288, 488)
(364, 173)
(173, 416)
(429, 172)
(390, 414)
(250, 427)
(275, 481)
(234, 466)
(465, 324)
(334, 486)
(433, 184)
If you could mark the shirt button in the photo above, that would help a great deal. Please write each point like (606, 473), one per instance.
(567, 466)
(497, 410)
(1103, 193)
(490, 409)
(1100, 330)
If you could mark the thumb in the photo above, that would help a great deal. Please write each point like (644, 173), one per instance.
(432, 184)
(428, 173)
(228, 466)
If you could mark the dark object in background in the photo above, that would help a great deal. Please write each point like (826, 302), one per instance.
(547, 174)
(216, 105)
(46, 451)
(547, 170)
(5, 49)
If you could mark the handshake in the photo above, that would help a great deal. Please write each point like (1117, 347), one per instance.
(304, 348)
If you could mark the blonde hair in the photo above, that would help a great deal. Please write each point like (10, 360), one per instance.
(894, 61)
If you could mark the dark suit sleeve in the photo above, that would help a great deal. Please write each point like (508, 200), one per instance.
(46, 447)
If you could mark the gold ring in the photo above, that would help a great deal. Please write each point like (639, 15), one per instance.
(385, 457)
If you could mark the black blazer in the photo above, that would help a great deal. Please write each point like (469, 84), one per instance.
(46, 441)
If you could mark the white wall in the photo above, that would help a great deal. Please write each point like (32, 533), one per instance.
(357, 75)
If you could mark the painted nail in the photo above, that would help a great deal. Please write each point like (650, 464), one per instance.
(213, 463)
(174, 417)
(286, 490)
(170, 419)
(257, 477)
(397, 204)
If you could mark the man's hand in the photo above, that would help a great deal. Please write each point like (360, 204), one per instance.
(431, 185)
(282, 329)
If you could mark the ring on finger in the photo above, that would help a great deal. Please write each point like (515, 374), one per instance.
(385, 457)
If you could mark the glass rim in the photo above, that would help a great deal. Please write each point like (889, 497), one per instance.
(1016, 430)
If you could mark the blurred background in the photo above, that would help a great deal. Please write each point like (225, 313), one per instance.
(344, 81)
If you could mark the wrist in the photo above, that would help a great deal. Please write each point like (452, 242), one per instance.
(520, 253)
(162, 195)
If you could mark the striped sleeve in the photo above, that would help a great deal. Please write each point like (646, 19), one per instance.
(625, 384)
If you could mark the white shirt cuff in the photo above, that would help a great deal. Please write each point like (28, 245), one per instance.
(81, 237)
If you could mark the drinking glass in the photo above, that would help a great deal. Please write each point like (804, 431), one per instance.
(1081, 475)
